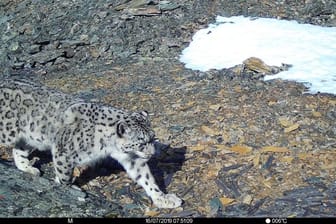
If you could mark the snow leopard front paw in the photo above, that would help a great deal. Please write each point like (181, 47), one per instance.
(168, 201)
(34, 171)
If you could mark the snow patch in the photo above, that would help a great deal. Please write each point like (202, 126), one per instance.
(309, 48)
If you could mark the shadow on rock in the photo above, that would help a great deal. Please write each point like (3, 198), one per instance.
(164, 163)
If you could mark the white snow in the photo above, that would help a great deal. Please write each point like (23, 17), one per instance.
(309, 48)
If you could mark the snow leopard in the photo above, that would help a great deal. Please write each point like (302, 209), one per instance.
(77, 132)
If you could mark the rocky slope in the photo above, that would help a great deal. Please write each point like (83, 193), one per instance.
(239, 146)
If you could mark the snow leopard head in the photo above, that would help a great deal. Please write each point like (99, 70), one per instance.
(135, 135)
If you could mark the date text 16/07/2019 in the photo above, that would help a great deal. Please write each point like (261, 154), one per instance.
(169, 220)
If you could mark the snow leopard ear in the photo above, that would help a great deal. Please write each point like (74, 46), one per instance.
(144, 113)
(121, 129)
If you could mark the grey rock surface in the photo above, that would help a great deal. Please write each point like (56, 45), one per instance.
(23, 195)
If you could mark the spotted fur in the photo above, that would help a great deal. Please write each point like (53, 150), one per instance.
(77, 133)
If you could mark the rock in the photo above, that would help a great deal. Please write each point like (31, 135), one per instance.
(14, 46)
(74, 43)
(168, 5)
(291, 128)
(33, 49)
(241, 149)
(18, 65)
(148, 11)
(69, 53)
(44, 57)
(94, 52)
(259, 66)
(247, 199)
(133, 4)
(28, 196)
(285, 122)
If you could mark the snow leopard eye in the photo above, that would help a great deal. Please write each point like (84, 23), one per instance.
(142, 147)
